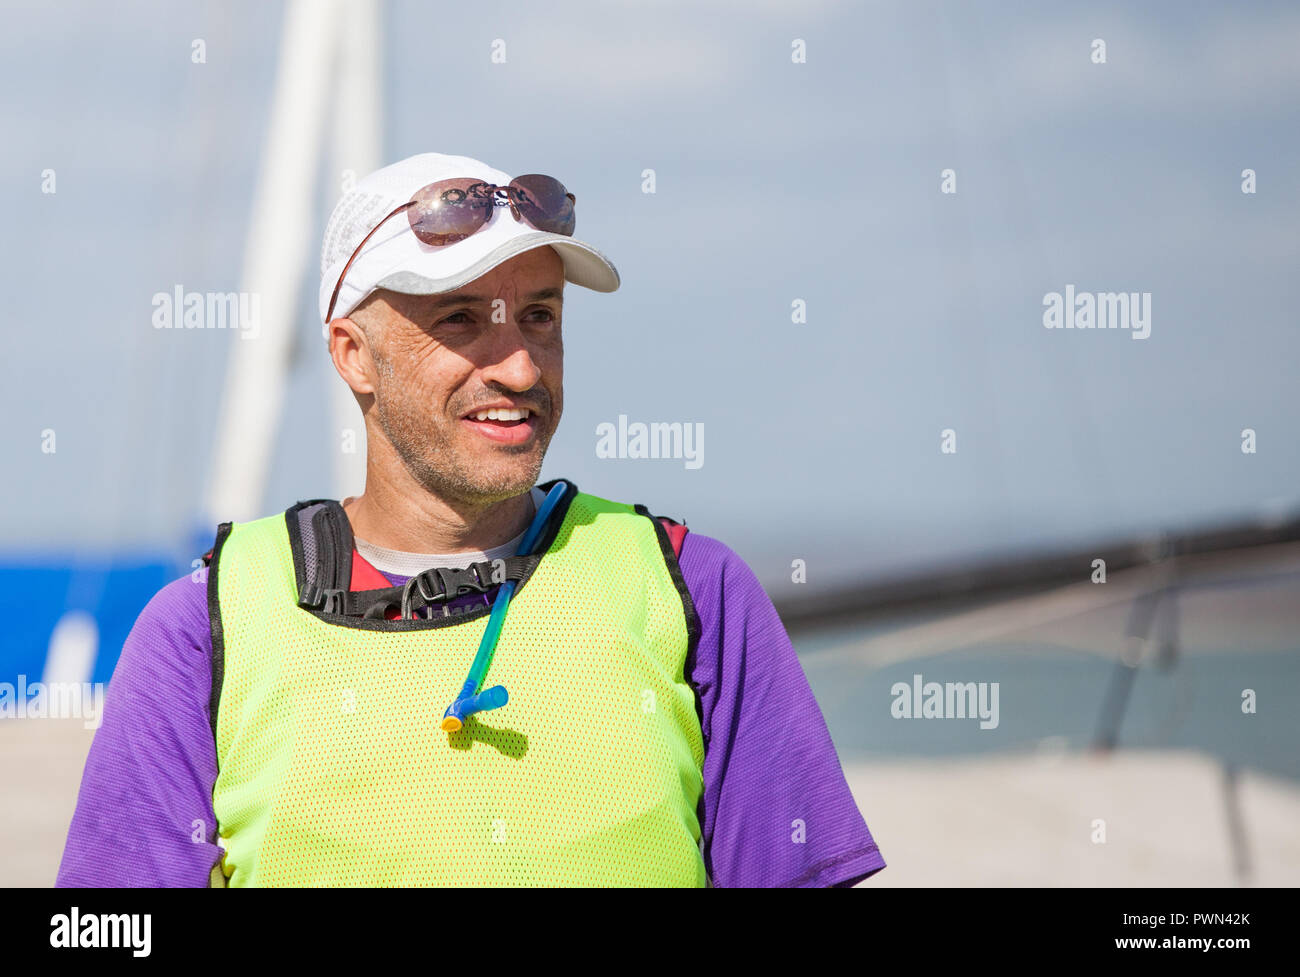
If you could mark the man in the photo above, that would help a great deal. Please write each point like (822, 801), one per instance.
(308, 714)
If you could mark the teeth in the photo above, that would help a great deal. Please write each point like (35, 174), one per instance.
(501, 414)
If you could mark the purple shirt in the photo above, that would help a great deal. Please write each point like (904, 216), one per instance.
(777, 810)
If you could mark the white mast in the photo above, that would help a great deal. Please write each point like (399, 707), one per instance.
(356, 147)
(326, 46)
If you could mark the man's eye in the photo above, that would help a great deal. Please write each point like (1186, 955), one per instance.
(546, 314)
(457, 317)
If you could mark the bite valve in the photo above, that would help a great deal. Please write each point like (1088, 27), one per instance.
(467, 704)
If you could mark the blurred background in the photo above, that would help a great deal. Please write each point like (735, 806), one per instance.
(798, 153)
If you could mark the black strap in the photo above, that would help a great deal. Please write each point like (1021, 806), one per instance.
(321, 538)
(436, 585)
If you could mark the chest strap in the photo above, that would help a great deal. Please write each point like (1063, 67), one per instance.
(437, 585)
(338, 580)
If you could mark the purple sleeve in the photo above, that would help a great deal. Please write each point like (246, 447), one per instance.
(144, 813)
(777, 809)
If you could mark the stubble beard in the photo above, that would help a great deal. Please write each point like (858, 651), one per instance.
(429, 456)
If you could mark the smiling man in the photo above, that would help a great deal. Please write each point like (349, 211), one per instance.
(461, 677)
(466, 400)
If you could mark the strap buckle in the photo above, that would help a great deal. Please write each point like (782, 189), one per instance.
(450, 583)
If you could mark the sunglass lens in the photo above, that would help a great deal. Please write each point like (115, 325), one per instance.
(544, 203)
(448, 211)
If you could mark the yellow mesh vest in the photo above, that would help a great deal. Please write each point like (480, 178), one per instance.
(333, 769)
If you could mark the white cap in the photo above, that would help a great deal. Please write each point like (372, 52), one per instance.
(396, 259)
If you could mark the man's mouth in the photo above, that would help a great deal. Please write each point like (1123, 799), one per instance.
(507, 425)
(503, 415)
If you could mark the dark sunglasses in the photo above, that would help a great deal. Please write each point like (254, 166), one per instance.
(449, 211)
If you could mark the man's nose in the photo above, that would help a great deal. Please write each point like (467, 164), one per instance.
(510, 361)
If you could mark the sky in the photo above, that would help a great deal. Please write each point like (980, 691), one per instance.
(775, 182)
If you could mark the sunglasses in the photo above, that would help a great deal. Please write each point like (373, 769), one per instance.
(448, 211)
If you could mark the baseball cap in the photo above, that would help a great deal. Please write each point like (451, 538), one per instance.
(397, 260)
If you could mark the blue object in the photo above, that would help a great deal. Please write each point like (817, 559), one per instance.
(468, 702)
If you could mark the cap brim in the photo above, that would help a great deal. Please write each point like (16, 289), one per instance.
(583, 265)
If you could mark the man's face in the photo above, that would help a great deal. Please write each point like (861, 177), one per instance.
(440, 359)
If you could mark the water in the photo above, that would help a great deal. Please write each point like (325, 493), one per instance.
(1051, 696)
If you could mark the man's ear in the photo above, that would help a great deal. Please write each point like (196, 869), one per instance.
(350, 350)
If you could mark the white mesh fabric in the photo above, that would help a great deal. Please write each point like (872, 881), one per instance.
(353, 218)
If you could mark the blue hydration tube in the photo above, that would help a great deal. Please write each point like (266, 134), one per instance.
(470, 699)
